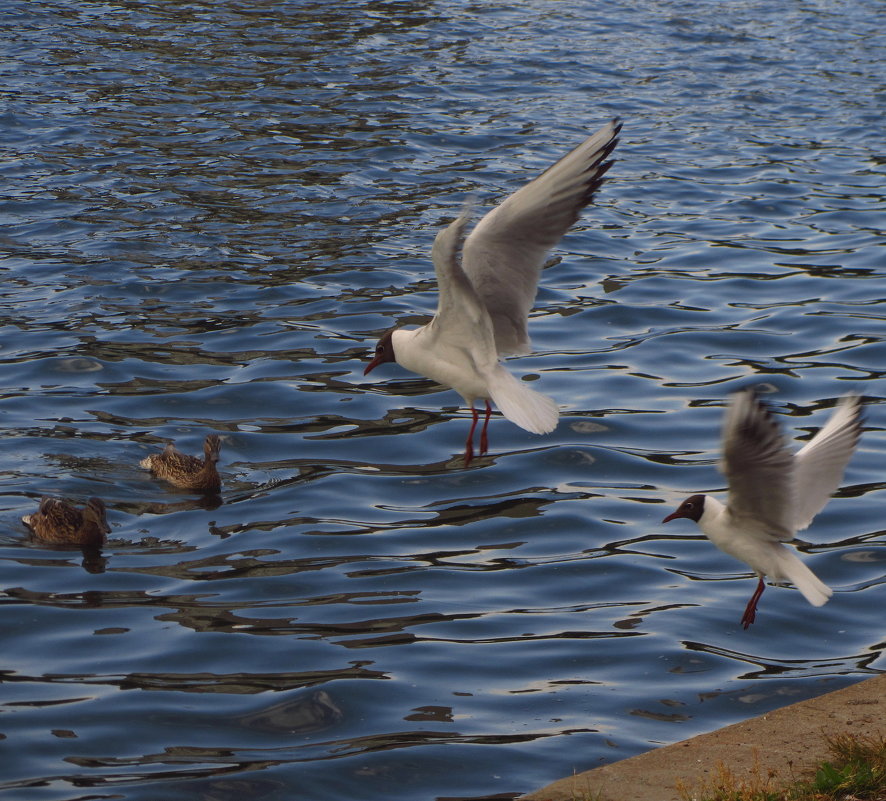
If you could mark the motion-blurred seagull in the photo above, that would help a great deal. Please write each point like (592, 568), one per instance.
(487, 284)
(772, 492)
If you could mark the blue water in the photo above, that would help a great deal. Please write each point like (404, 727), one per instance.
(209, 213)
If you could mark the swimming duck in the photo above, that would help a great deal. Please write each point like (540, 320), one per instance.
(61, 523)
(187, 472)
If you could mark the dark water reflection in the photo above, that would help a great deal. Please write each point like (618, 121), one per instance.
(210, 211)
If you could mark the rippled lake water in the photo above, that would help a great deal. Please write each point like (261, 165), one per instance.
(209, 213)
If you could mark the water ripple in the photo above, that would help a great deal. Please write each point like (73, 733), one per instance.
(211, 212)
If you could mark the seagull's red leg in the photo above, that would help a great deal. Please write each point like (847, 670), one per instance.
(484, 441)
(750, 611)
(469, 442)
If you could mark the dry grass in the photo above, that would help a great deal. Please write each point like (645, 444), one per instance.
(856, 772)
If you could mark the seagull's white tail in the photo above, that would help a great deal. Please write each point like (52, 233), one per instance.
(814, 589)
(521, 405)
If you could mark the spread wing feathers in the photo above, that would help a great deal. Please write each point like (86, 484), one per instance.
(820, 463)
(758, 464)
(461, 320)
(504, 254)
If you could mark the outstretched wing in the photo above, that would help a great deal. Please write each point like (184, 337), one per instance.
(820, 463)
(758, 464)
(504, 254)
(461, 322)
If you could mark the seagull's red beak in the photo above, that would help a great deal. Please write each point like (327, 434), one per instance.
(384, 352)
(373, 364)
(672, 516)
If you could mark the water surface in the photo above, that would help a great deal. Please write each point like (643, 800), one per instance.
(211, 211)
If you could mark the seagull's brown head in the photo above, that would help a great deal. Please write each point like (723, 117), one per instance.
(692, 507)
(384, 352)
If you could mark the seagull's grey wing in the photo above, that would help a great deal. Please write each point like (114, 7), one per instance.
(461, 321)
(820, 463)
(758, 464)
(504, 254)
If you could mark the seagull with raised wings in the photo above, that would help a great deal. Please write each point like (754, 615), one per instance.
(486, 286)
(773, 493)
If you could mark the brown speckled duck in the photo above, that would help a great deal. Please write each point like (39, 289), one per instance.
(61, 523)
(187, 472)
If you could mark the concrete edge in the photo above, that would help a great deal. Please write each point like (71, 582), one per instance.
(783, 743)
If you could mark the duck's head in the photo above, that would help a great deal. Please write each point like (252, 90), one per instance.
(95, 512)
(384, 352)
(692, 507)
(211, 447)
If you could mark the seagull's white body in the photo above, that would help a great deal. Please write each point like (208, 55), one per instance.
(774, 493)
(475, 377)
(761, 551)
(487, 284)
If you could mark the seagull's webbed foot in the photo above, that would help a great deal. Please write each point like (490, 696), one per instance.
(750, 611)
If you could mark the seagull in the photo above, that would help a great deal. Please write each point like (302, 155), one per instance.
(487, 283)
(773, 493)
